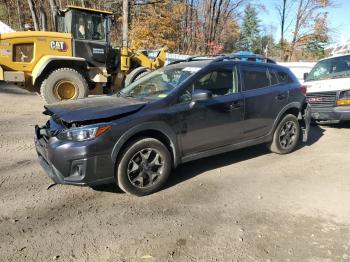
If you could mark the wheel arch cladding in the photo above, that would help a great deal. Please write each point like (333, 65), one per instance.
(292, 108)
(159, 131)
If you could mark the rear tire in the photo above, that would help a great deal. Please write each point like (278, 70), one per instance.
(143, 167)
(63, 84)
(135, 74)
(286, 135)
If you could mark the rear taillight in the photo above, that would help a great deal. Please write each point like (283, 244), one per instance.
(303, 89)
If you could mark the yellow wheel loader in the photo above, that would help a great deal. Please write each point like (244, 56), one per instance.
(73, 62)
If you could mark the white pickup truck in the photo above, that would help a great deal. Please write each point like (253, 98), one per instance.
(328, 89)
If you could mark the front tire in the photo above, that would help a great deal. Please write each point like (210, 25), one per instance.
(63, 84)
(286, 135)
(144, 167)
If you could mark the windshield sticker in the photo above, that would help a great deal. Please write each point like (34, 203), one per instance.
(191, 69)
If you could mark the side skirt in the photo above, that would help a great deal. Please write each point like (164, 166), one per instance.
(225, 149)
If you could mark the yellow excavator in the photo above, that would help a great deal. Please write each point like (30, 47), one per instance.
(74, 61)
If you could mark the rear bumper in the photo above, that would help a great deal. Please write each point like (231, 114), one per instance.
(64, 166)
(338, 113)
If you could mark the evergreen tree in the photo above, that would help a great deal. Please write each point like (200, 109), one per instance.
(250, 37)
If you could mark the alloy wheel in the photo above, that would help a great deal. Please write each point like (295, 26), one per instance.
(145, 168)
(288, 134)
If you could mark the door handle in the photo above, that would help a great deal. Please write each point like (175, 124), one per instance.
(236, 105)
(281, 96)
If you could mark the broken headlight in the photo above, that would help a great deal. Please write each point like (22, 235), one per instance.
(83, 133)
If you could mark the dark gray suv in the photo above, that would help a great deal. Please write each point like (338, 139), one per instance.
(179, 113)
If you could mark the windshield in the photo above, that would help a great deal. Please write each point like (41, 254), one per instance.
(336, 67)
(158, 84)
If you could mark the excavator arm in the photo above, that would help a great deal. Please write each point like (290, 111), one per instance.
(128, 55)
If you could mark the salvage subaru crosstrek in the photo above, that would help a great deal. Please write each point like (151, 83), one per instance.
(182, 112)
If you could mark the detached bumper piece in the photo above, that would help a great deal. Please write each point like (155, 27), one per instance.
(306, 122)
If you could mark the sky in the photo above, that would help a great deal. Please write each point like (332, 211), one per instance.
(338, 18)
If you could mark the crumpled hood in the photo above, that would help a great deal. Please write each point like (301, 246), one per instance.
(95, 108)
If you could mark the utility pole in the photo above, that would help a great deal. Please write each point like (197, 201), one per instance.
(125, 59)
(125, 22)
(283, 19)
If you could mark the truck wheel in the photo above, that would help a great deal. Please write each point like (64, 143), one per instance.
(286, 135)
(135, 74)
(144, 167)
(63, 84)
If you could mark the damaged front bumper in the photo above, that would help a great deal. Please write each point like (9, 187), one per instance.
(71, 163)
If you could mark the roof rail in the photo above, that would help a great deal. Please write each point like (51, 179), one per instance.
(219, 58)
(239, 57)
(192, 58)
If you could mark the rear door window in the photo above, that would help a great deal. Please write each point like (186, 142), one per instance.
(255, 77)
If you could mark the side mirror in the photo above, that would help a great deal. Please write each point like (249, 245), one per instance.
(201, 95)
(306, 75)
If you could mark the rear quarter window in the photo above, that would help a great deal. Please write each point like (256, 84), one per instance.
(278, 76)
(283, 77)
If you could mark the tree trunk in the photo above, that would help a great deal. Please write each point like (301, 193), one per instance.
(296, 29)
(8, 13)
(54, 11)
(34, 16)
(19, 15)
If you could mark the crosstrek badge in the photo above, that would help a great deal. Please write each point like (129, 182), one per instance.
(58, 45)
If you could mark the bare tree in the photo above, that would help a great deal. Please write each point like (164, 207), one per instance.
(34, 15)
(307, 11)
(54, 10)
(282, 13)
(19, 15)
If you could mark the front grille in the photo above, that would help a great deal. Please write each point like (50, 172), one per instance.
(324, 99)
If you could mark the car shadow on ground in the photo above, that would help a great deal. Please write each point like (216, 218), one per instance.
(194, 168)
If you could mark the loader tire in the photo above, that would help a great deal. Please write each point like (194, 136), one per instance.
(135, 74)
(63, 84)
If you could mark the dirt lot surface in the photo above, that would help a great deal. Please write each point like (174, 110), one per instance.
(247, 205)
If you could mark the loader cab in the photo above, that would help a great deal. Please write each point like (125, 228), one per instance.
(89, 29)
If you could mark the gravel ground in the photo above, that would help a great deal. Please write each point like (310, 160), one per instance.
(247, 205)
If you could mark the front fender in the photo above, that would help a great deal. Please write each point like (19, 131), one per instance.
(150, 126)
(49, 60)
